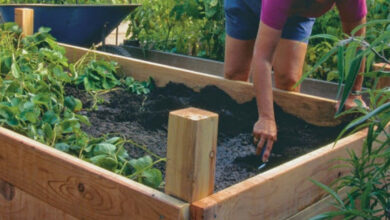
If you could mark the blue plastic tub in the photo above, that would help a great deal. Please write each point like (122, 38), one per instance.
(81, 25)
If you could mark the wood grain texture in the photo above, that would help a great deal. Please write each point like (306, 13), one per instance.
(322, 206)
(191, 153)
(24, 206)
(312, 109)
(280, 192)
(384, 81)
(24, 17)
(77, 187)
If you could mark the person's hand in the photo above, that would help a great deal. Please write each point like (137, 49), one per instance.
(350, 102)
(264, 135)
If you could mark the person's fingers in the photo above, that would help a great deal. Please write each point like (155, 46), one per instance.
(268, 150)
(255, 140)
(260, 145)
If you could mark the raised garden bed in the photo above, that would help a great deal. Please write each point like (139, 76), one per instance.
(63, 187)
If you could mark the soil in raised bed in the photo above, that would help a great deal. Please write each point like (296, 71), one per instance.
(144, 119)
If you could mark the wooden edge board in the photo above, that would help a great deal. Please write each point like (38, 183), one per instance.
(23, 204)
(325, 205)
(79, 188)
(322, 206)
(378, 66)
(282, 191)
(315, 110)
(383, 81)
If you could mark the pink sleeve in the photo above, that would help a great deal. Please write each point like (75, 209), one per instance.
(352, 10)
(274, 13)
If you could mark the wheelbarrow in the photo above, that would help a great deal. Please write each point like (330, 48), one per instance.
(81, 25)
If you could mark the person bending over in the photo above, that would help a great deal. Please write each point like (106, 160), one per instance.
(273, 34)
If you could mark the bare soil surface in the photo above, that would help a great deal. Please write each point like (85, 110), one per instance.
(144, 119)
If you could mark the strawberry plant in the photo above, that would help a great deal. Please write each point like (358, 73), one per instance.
(34, 72)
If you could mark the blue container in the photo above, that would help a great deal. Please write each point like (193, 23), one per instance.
(81, 25)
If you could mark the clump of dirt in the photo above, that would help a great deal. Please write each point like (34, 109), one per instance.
(144, 119)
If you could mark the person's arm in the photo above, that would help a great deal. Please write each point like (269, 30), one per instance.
(264, 130)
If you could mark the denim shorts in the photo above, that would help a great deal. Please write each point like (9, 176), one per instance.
(243, 18)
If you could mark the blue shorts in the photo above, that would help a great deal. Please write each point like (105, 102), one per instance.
(243, 18)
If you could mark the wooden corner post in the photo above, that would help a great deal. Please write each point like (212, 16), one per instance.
(24, 17)
(191, 153)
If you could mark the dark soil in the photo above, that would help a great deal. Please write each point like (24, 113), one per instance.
(144, 119)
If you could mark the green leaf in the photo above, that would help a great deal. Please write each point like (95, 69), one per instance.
(48, 131)
(50, 117)
(64, 147)
(60, 74)
(374, 22)
(105, 161)
(152, 177)
(113, 140)
(340, 67)
(83, 119)
(350, 81)
(73, 103)
(15, 70)
(325, 36)
(5, 64)
(123, 155)
(141, 163)
(372, 114)
(330, 191)
(104, 148)
(318, 64)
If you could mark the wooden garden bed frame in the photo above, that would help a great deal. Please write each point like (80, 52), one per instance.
(40, 182)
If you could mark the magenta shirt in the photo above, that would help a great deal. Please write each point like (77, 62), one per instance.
(274, 13)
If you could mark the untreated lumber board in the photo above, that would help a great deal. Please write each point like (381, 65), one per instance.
(309, 86)
(384, 81)
(322, 206)
(191, 153)
(24, 206)
(77, 187)
(24, 17)
(280, 192)
(312, 109)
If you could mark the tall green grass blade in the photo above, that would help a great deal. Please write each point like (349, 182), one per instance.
(350, 81)
(374, 113)
(374, 22)
(318, 64)
(340, 67)
(330, 191)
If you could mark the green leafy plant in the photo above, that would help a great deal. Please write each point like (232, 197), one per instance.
(139, 88)
(65, 1)
(194, 27)
(330, 24)
(34, 71)
(367, 185)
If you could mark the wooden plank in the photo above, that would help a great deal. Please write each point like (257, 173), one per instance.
(23, 206)
(314, 110)
(79, 188)
(384, 81)
(191, 153)
(322, 206)
(309, 86)
(280, 192)
(177, 60)
(24, 17)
